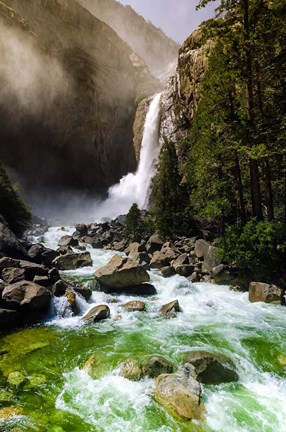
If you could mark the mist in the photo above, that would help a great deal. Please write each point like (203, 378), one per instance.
(29, 78)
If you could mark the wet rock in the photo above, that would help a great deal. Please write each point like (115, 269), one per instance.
(180, 393)
(71, 298)
(131, 370)
(73, 261)
(167, 271)
(185, 270)
(97, 313)
(60, 287)
(262, 292)
(95, 366)
(155, 366)
(42, 255)
(134, 306)
(84, 291)
(9, 244)
(169, 310)
(27, 297)
(194, 277)
(121, 273)
(67, 240)
(211, 368)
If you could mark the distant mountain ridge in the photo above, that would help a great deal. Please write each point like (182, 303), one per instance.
(148, 41)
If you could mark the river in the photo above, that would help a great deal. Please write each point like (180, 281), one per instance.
(58, 395)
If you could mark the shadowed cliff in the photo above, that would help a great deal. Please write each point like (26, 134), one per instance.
(68, 86)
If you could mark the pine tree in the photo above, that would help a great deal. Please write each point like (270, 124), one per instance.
(134, 228)
(12, 207)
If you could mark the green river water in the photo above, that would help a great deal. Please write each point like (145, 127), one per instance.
(56, 395)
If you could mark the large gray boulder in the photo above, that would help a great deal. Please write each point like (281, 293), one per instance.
(9, 244)
(72, 261)
(27, 297)
(42, 255)
(120, 273)
(208, 254)
(154, 244)
(263, 292)
(211, 368)
(28, 269)
(180, 393)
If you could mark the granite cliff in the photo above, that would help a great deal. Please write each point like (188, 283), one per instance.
(149, 42)
(68, 90)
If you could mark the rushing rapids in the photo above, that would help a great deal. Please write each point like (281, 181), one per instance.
(58, 395)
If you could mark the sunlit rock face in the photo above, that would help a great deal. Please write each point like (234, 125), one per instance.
(150, 43)
(68, 87)
(183, 91)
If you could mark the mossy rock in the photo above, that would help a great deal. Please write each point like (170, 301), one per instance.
(6, 398)
(282, 360)
(131, 370)
(16, 379)
(11, 411)
(96, 366)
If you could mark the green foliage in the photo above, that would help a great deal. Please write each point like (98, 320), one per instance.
(137, 224)
(169, 198)
(12, 207)
(258, 248)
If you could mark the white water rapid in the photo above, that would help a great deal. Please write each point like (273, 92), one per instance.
(134, 187)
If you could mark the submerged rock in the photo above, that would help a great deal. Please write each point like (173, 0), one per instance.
(169, 310)
(211, 368)
(155, 366)
(11, 411)
(180, 393)
(16, 379)
(131, 369)
(134, 306)
(97, 313)
(121, 273)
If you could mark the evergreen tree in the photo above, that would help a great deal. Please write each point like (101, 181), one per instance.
(169, 199)
(134, 227)
(12, 207)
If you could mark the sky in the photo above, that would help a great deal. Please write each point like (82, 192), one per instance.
(177, 18)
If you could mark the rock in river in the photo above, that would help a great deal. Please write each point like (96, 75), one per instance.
(120, 273)
(97, 313)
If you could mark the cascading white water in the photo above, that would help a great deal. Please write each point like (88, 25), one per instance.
(134, 187)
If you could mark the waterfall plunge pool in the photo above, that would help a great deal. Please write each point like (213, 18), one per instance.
(57, 395)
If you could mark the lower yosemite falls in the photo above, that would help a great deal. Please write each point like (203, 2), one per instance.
(135, 188)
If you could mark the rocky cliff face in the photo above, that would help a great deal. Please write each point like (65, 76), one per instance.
(68, 86)
(182, 93)
(149, 42)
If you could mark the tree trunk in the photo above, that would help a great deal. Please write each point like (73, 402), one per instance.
(269, 192)
(255, 190)
(240, 188)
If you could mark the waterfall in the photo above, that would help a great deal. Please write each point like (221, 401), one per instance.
(135, 187)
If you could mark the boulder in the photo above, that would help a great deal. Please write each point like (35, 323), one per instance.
(180, 393)
(159, 260)
(169, 310)
(84, 291)
(43, 281)
(195, 277)
(42, 255)
(82, 229)
(119, 246)
(211, 368)
(94, 242)
(30, 269)
(121, 273)
(27, 297)
(181, 260)
(134, 306)
(263, 292)
(71, 298)
(167, 271)
(95, 366)
(185, 270)
(208, 253)
(67, 240)
(131, 370)
(97, 313)
(72, 261)
(12, 275)
(155, 366)
(9, 244)
(154, 244)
